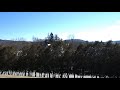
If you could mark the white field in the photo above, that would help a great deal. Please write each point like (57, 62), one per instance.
(32, 75)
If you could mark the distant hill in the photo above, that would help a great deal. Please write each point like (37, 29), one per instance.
(78, 41)
(75, 40)
(20, 44)
(17, 44)
(116, 42)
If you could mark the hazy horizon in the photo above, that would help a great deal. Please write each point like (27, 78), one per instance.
(91, 26)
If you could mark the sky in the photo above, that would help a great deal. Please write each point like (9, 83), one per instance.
(91, 26)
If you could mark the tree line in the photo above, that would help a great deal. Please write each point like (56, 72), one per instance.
(54, 57)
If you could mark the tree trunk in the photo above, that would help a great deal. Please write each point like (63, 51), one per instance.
(25, 72)
(99, 76)
(61, 75)
(39, 74)
(12, 72)
(53, 75)
(67, 75)
(35, 73)
(28, 73)
(82, 73)
(8, 72)
(44, 75)
(74, 75)
(49, 75)
(19, 73)
(96, 76)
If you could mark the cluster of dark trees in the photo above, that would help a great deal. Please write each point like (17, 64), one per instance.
(56, 57)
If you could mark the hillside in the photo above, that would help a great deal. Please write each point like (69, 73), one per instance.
(17, 44)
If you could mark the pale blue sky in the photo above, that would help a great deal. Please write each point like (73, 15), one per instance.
(83, 25)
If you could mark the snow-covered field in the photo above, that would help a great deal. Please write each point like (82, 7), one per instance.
(32, 75)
